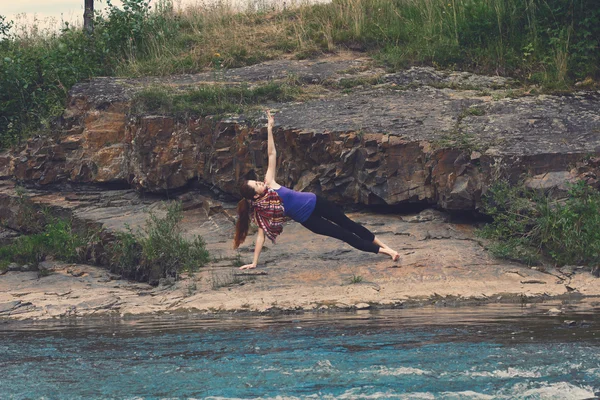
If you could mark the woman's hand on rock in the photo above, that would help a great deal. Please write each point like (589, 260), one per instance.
(248, 266)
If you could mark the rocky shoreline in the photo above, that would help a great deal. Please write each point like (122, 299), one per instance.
(443, 263)
(67, 294)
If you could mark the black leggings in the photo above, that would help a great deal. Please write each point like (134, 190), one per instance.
(321, 222)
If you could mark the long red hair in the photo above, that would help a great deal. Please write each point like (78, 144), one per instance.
(243, 211)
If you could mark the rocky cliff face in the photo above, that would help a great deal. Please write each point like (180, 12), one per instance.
(415, 136)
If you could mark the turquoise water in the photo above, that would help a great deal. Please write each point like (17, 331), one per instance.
(484, 353)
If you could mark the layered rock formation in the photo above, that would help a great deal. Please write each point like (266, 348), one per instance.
(414, 136)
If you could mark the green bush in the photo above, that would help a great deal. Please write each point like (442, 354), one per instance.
(58, 240)
(528, 226)
(133, 31)
(164, 250)
(125, 254)
(159, 250)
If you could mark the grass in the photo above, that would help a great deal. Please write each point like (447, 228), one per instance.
(355, 279)
(531, 227)
(210, 99)
(461, 137)
(4, 264)
(57, 240)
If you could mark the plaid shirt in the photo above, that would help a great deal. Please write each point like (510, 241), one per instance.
(268, 214)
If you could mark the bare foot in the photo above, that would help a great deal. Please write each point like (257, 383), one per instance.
(248, 266)
(392, 253)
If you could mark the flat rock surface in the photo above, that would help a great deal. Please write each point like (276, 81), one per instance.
(418, 104)
(441, 262)
(523, 126)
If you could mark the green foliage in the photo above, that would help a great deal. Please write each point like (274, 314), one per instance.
(475, 111)
(569, 29)
(348, 83)
(356, 279)
(57, 240)
(4, 263)
(546, 41)
(164, 248)
(159, 251)
(132, 31)
(29, 218)
(210, 100)
(570, 232)
(5, 27)
(529, 226)
(35, 77)
(125, 254)
(37, 72)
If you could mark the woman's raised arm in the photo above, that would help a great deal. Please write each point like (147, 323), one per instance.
(272, 153)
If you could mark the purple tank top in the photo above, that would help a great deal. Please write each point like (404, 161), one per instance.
(297, 205)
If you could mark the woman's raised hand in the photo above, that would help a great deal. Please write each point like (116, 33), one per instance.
(270, 119)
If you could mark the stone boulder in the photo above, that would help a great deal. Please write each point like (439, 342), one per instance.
(421, 136)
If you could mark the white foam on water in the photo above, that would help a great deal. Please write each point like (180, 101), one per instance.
(358, 393)
(467, 394)
(593, 371)
(320, 366)
(550, 391)
(507, 373)
(274, 369)
(544, 391)
(385, 371)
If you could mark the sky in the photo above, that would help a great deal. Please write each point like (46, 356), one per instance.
(49, 14)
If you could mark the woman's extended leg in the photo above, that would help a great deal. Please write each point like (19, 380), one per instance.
(324, 208)
(321, 226)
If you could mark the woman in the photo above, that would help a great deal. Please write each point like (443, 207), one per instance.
(269, 203)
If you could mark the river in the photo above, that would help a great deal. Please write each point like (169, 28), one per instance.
(488, 352)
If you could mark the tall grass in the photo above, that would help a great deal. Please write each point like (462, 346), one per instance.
(529, 226)
(549, 42)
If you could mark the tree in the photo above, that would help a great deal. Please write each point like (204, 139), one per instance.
(88, 16)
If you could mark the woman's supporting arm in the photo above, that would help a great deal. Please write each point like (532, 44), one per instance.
(272, 153)
(260, 241)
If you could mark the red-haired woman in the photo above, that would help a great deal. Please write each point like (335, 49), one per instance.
(269, 203)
